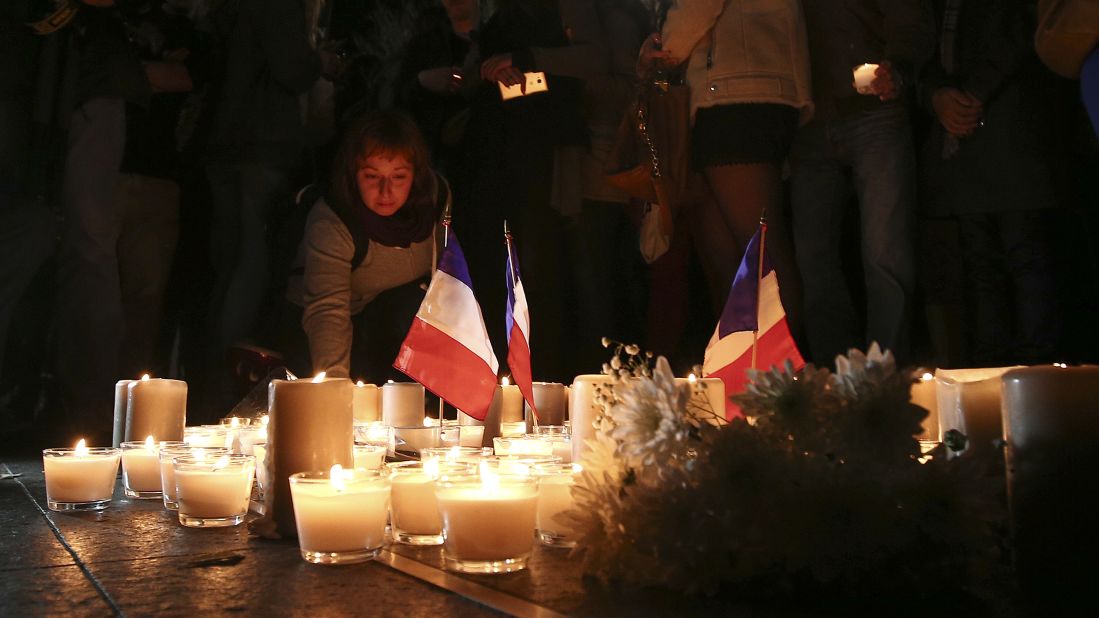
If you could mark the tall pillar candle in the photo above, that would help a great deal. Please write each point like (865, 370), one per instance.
(402, 404)
(1051, 426)
(121, 401)
(156, 407)
(310, 428)
(583, 409)
(551, 400)
(924, 394)
(969, 401)
(511, 402)
(367, 403)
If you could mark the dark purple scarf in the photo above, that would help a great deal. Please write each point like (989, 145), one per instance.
(414, 222)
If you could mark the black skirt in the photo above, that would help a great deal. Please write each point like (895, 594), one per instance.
(742, 133)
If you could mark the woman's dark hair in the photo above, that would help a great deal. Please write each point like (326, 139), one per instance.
(385, 133)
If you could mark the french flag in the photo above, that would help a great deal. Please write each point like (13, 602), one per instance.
(448, 349)
(518, 329)
(752, 332)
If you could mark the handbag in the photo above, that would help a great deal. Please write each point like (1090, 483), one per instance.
(1068, 30)
(649, 158)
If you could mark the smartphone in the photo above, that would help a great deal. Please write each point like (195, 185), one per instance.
(536, 82)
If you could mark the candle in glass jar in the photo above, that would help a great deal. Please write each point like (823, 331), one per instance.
(487, 524)
(415, 511)
(156, 407)
(969, 402)
(555, 483)
(340, 514)
(369, 456)
(141, 469)
(168, 452)
(366, 405)
(213, 494)
(79, 478)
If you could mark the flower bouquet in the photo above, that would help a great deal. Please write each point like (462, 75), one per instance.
(820, 488)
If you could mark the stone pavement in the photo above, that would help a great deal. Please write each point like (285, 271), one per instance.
(135, 559)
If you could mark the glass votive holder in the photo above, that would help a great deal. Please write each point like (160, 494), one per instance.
(369, 456)
(207, 436)
(141, 470)
(167, 453)
(414, 512)
(237, 421)
(555, 483)
(81, 478)
(514, 465)
(340, 514)
(560, 446)
(472, 436)
(260, 452)
(465, 454)
(522, 445)
(488, 522)
(213, 492)
(248, 437)
(409, 441)
(371, 432)
(550, 430)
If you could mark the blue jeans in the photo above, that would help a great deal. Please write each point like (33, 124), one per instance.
(873, 154)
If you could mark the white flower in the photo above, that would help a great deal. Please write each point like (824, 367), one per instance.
(650, 417)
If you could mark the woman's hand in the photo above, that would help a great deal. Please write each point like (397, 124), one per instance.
(652, 57)
(441, 80)
(499, 69)
(887, 82)
(958, 112)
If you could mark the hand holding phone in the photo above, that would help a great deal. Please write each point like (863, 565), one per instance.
(533, 82)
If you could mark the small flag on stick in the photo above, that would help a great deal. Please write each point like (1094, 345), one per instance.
(518, 326)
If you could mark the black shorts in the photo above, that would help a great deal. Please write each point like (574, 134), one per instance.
(742, 133)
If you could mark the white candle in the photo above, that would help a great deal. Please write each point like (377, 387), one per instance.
(471, 435)
(456, 453)
(213, 494)
(969, 401)
(583, 409)
(156, 407)
(373, 432)
(402, 404)
(366, 405)
(488, 525)
(924, 394)
(165, 456)
(707, 396)
(311, 428)
(340, 514)
(207, 436)
(551, 399)
(523, 445)
(864, 74)
(511, 402)
(412, 440)
(555, 483)
(141, 469)
(561, 448)
(415, 511)
(369, 456)
(79, 478)
(121, 401)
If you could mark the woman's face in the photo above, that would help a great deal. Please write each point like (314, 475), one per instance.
(384, 183)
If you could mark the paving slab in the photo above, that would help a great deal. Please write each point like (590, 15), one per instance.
(24, 527)
(50, 591)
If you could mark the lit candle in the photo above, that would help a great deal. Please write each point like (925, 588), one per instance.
(411, 440)
(551, 399)
(523, 445)
(213, 494)
(924, 395)
(555, 483)
(511, 402)
(415, 511)
(369, 456)
(141, 469)
(121, 401)
(708, 397)
(167, 453)
(402, 404)
(156, 407)
(340, 514)
(471, 432)
(80, 478)
(366, 404)
(969, 401)
(1051, 426)
(488, 524)
(311, 428)
(583, 409)
(864, 74)
(456, 453)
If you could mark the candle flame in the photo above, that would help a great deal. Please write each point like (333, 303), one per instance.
(336, 477)
(360, 384)
(145, 378)
(319, 377)
(429, 422)
(927, 377)
(222, 462)
(1061, 365)
(454, 454)
(264, 420)
(81, 447)
(262, 433)
(692, 378)
(389, 382)
(577, 468)
(505, 381)
(234, 422)
(150, 443)
(431, 467)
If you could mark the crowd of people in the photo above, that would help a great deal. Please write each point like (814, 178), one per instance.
(206, 188)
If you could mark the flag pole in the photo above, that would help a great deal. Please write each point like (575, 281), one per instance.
(446, 239)
(759, 284)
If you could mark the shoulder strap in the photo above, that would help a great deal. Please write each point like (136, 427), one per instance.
(355, 228)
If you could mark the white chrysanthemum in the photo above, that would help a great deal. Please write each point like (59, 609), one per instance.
(650, 419)
(857, 371)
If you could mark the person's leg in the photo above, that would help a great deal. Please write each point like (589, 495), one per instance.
(146, 247)
(819, 191)
(596, 268)
(988, 312)
(89, 310)
(26, 241)
(1026, 238)
(884, 171)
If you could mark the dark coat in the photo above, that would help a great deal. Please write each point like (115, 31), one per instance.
(1016, 161)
